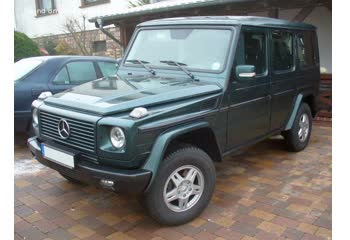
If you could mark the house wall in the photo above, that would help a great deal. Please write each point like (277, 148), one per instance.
(112, 48)
(28, 23)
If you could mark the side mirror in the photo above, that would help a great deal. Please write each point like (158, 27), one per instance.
(245, 72)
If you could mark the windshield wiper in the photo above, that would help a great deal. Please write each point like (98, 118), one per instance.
(143, 63)
(180, 65)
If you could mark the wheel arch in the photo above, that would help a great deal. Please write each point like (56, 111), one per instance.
(304, 97)
(180, 134)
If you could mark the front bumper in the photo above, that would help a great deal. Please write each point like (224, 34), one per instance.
(125, 180)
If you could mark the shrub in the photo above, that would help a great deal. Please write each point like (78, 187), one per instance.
(24, 47)
(63, 48)
(50, 46)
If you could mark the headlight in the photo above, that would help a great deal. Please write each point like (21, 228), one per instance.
(35, 116)
(117, 137)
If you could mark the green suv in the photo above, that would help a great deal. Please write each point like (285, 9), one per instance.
(188, 92)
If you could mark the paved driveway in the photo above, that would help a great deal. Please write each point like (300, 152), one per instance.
(262, 193)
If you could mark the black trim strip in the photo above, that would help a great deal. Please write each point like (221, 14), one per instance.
(249, 101)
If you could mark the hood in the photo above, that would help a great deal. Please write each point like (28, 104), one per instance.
(113, 95)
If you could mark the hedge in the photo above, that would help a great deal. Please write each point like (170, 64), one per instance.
(24, 47)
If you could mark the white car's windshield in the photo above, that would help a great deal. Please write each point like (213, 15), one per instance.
(25, 66)
(200, 49)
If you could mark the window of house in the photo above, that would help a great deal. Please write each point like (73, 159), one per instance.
(305, 51)
(282, 51)
(99, 46)
(252, 51)
(108, 69)
(45, 7)
(80, 72)
(88, 3)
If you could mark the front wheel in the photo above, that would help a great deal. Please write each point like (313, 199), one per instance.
(298, 136)
(183, 187)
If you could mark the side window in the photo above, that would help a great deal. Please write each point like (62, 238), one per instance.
(81, 72)
(62, 77)
(282, 51)
(252, 51)
(305, 51)
(108, 69)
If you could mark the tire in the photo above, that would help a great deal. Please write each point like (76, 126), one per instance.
(183, 160)
(297, 138)
(71, 180)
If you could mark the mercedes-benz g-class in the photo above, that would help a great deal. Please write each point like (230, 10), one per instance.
(188, 92)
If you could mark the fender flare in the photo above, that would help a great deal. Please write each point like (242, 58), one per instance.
(161, 144)
(294, 112)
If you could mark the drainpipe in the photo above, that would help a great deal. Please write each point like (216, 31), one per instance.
(99, 25)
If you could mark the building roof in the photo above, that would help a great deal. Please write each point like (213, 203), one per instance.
(164, 6)
(229, 20)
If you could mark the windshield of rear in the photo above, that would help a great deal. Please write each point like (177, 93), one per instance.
(196, 49)
(25, 66)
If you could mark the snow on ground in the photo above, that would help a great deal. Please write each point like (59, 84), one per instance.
(27, 167)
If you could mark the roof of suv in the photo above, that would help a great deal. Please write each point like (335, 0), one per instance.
(229, 20)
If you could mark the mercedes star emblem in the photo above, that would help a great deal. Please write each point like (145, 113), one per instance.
(63, 129)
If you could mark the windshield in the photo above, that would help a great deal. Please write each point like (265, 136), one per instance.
(201, 49)
(25, 66)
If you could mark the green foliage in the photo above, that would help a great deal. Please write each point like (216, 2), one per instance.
(63, 48)
(138, 3)
(24, 47)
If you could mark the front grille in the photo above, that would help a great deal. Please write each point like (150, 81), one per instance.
(82, 133)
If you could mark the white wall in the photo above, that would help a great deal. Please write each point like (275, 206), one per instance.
(27, 22)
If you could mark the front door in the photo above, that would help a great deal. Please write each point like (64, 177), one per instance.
(249, 111)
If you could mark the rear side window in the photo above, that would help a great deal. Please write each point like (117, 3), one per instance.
(305, 51)
(108, 69)
(282, 51)
(252, 51)
(81, 72)
(62, 77)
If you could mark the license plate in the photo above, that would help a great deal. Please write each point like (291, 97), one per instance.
(60, 157)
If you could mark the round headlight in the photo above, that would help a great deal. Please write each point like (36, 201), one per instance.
(35, 116)
(117, 137)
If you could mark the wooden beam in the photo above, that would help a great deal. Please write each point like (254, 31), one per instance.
(303, 13)
(273, 13)
(328, 5)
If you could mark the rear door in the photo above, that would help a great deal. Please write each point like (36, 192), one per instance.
(307, 60)
(72, 74)
(249, 116)
(283, 78)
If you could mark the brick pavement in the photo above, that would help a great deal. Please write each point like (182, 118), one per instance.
(262, 193)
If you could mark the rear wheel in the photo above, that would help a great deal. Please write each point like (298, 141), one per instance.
(298, 136)
(182, 188)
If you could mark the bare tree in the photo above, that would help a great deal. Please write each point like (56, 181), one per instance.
(138, 3)
(77, 30)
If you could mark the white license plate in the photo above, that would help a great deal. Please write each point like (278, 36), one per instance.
(57, 156)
